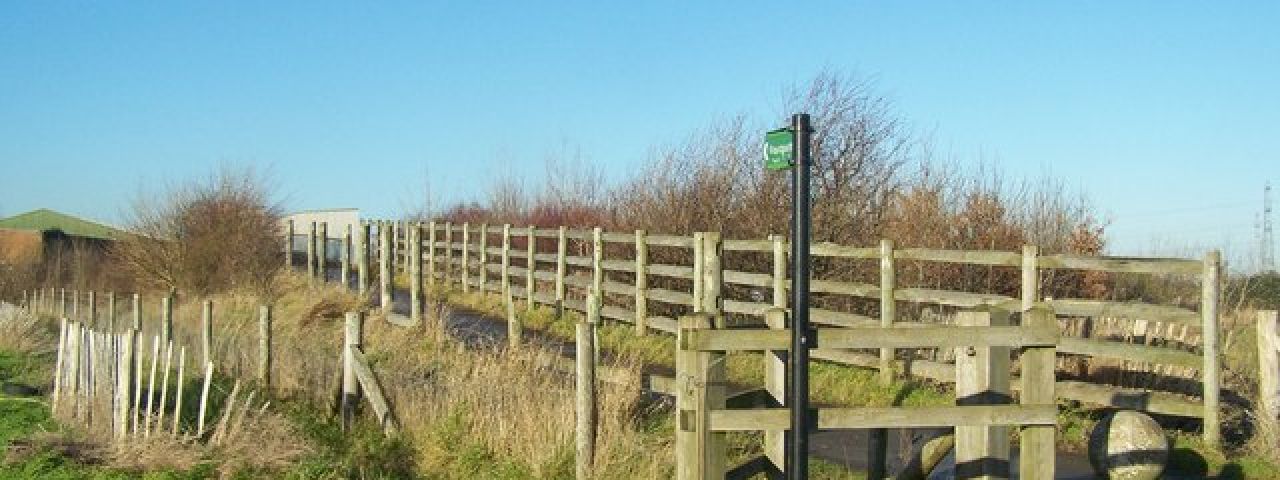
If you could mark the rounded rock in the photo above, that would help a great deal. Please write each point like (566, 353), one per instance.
(1128, 445)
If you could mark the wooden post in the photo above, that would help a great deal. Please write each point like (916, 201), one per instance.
(322, 252)
(642, 283)
(137, 314)
(775, 382)
(698, 283)
(414, 235)
(1268, 371)
(111, 312)
(1036, 448)
(530, 266)
(204, 400)
(166, 317)
(352, 333)
(177, 399)
(482, 277)
(58, 365)
(151, 387)
(344, 258)
(878, 438)
(1030, 276)
(562, 249)
(385, 276)
(164, 386)
(362, 259)
(124, 380)
(288, 245)
(1209, 343)
(93, 308)
(62, 302)
(448, 251)
(311, 254)
(712, 276)
(75, 307)
(515, 330)
(206, 330)
(585, 392)
(264, 346)
(597, 263)
(504, 283)
(466, 255)
(888, 306)
(700, 387)
(982, 378)
(431, 254)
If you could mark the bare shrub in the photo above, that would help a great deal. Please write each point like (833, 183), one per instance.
(205, 236)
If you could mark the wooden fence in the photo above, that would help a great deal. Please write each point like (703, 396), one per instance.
(558, 267)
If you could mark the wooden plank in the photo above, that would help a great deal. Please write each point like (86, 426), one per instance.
(1128, 351)
(828, 249)
(663, 324)
(670, 296)
(746, 308)
(1037, 450)
(670, 241)
(887, 417)
(942, 336)
(578, 261)
(955, 299)
(1122, 264)
(982, 377)
(823, 316)
(619, 288)
(372, 390)
(628, 266)
(1268, 369)
(1102, 308)
(673, 271)
(970, 257)
(1117, 397)
(748, 246)
(763, 280)
(864, 290)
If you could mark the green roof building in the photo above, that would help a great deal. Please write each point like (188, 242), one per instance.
(48, 221)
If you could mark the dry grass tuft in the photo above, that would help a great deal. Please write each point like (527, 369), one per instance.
(21, 332)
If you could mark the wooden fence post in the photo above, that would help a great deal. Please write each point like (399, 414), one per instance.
(311, 254)
(362, 259)
(1036, 448)
(698, 282)
(1030, 276)
(531, 266)
(354, 329)
(137, 314)
(888, 305)
(584, 391)
(386, 279)
(322, 253)
(482, 277)
(288, 245)
(562, 249)
(166, 316)
(982, 378)
(712, 276)
(775, 382)
(414, 235)
(124, 382)
(431, 254)
(264, 346)
(111, 312)
(62, 302)
(515, 330)
(92, 309)
(700, 387)
(1268, 372)
(448, 252)
(206, 330)
(642, 283)
(466, 255)
(344, 259)
(75, 306)
(504, 269)
(1209, 336)
(597, 263)
(63, 334)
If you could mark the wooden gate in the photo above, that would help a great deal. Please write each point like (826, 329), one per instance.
(981, 415)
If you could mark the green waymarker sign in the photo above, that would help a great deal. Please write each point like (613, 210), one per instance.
(777, 149)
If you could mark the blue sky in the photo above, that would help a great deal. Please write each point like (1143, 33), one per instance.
(1166, 114)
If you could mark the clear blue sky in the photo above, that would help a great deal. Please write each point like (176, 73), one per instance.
(1166, 114)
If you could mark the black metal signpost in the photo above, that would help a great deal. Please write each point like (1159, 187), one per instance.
(799, 160)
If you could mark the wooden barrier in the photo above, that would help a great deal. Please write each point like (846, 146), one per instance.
(1268, 372)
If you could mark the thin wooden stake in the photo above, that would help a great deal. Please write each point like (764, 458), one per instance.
(177, 399)
(204, 399)
(151, 387)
